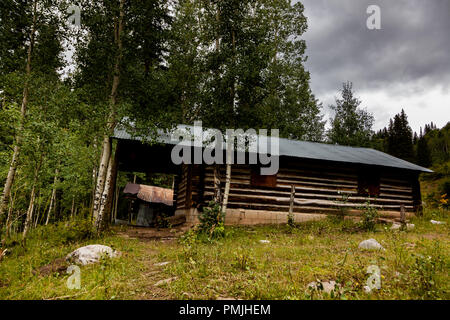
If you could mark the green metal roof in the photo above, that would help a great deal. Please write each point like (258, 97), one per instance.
(306, 150)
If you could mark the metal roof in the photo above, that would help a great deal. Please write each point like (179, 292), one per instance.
(304, 149)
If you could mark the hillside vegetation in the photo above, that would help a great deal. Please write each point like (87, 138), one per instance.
(414, 265)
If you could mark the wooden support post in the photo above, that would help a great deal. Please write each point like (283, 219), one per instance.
(291, 207)
(403, 216)
(291, 204)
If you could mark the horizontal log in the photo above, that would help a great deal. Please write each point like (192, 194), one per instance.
(318, 179)
(306, 192)
(268, 196)
(382, 213)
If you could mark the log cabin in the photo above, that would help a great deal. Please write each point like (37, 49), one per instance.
(313, 181)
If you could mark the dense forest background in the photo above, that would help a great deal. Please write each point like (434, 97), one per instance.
(230, 63)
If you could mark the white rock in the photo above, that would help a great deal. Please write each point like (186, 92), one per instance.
(159, 264)
(370, 244)
(264, 241)
(437, 222)
(367, 289)
(327, 286)
(90, 254)
(396, 226)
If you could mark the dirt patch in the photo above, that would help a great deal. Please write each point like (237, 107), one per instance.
(434, 236)
(143, 233)
(56, 266)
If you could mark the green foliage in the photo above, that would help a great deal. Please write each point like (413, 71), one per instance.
(424, 272)
(400, 138)
(239, 266)
(342, 208)
(369, 217)
(162, 221)
(254, 76)
(242, 259)
(290, 220)
(423, 153)
(438, 143)
(212, 221)
(66, 231)
(350, 126)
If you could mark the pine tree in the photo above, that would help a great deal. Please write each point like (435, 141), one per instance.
(400, 140)
(350, 126)
(423, 152)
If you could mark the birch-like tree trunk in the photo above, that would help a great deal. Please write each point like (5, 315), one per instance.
(229, 143)
(227, 182)
(38, 211)
(23, 110)
(217, 187)
(72, 209)
(106, 195)
(94, 181)
(10, 215)
(29, 218)
(53, 197)
(217, 183)
(106, 145)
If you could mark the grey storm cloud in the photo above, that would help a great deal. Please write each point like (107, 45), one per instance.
(412, 45)
(409, 55)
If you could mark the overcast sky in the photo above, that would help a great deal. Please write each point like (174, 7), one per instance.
(406, 64)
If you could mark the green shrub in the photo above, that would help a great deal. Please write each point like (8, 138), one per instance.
(212, 221)
(369, 217)
(162, 221)
(65, 231)
(290, 220)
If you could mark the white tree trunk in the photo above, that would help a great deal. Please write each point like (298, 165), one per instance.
(105, 195)
(53, 197)
(227, 182)
(106, 145)
(16, 153)
(29, 218)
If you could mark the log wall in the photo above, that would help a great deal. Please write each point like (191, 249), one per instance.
(319, 190)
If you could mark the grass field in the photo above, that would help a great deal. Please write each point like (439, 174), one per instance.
(415, 264)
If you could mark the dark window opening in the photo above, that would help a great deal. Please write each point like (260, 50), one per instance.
(369, 184)
(258, 180)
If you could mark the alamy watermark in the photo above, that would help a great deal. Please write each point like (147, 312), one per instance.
(74, 17)
(74, 281)
(208, 147)
(374, 280)
(373, 22)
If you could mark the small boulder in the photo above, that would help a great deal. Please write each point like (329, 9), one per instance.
(91, 254)
(396, 226)
(437, 222)
(325, 286)
(367, 289)
(370, 244)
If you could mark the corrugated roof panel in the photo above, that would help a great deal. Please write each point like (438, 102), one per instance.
(309, 150)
